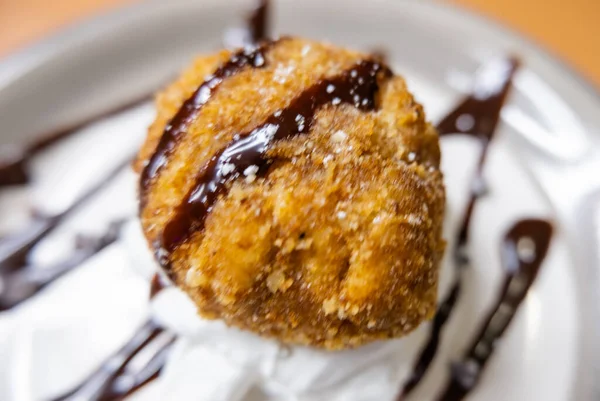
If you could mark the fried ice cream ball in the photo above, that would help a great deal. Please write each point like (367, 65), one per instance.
(338, 242)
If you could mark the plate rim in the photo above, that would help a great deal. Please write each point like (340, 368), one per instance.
(21, 57)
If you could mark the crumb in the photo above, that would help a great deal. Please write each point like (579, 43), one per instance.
(227, 168)
(339, 136)
(250, 173)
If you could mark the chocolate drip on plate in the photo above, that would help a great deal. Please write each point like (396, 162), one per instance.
(430, 348)
(246, 153)
(157, 284)
(177, 127)
(523, 250)
(116, 378)
(258, 21)
(477, 116)
(14, 248)
(18, 286)
(19, 279)
(14, 160)
(13, 167)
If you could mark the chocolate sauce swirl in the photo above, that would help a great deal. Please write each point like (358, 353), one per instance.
(157, 284)
(14, 160)
(23, 283)
(13, 167)
(247, 151)
(258, 21)
(476, 116)
(116, 378)
(15, 248)
(177, 127)
(523, 250)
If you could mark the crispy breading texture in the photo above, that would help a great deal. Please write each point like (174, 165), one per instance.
(339, 243)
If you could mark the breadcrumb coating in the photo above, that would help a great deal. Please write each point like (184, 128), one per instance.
(339, 243)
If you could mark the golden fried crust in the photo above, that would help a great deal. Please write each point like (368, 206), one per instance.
(339, 244)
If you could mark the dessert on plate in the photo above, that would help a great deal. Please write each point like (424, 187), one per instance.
(290, 227)
(304, 205)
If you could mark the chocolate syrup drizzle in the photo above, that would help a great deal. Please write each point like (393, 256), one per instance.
(476, 116)
(257, 21)
(176, 128)
(356, 86)
(157, 284)
(116, 379)
(24, 282)
(521, 265)
(13, 167)
(13, 163)
(21, 280)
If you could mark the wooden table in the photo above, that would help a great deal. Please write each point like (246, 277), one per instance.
(568, 29)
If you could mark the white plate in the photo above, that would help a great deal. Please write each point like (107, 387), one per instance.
(550, 130)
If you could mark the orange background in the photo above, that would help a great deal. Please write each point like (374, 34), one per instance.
(570, 30)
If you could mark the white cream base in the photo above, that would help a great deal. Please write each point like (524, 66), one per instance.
(216, 362)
